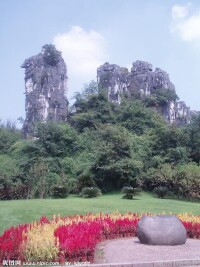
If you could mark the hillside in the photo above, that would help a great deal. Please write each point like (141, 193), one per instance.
(103, 144)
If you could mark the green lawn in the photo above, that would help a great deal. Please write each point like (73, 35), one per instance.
(14, 212)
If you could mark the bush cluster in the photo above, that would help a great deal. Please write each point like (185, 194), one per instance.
(182, 181)
(14, 192)
(59, 191)
(89, 192)
(129, 192)
(161, 191)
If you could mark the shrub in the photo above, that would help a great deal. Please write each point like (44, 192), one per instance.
(15, 191)
(187, 181)
(161, 191)
(59, 191)
(163, 175)
(183, 181)
(84, 181)
(129, 192)
(88, 192)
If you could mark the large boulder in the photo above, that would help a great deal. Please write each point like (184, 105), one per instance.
(161, 230)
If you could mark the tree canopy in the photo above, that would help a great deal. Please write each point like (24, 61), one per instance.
(103, 145)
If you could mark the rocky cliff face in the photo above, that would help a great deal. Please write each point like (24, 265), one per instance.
(144, 83)
(45, 88)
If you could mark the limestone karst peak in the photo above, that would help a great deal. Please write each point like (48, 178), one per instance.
(45, 88)
(150, 85)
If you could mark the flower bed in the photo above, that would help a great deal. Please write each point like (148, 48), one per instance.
(74, 238)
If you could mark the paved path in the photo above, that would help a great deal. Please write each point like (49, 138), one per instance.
(130, 250)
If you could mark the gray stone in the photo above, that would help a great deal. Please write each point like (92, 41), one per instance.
(161, 230)
(45, 89)
(114, 79)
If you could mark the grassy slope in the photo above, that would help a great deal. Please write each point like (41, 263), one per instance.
(19, 211)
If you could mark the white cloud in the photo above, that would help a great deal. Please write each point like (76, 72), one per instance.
(186, 23)
(190, 28)
(179, 12)
(83, 51)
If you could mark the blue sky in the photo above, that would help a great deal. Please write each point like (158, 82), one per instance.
(91, 32)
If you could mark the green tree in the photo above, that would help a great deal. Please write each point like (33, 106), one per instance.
(9, 134)
(193, 131)
(37, 179)
(92, 108)
(9, 177)
(93, 112)
(186, 182)
(55, 139)
(9, 172)
(162, 176)
(41, 178)
(136, 117)
(90, 89)
(161, 97)
(115, 163)
(170, 142)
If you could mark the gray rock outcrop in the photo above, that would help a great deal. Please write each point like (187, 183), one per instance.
(161, 230)
(144, 83)
(45, 89)
(113, 78)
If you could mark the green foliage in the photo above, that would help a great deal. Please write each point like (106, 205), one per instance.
(38, 174)
(56, 140)
(182, 181)
(42, 181)
(161, 191)
(51, 55)
(89, 192)
(59, 191)
(136, 117)
(186, 182)
(16, 191)
(171, 143)
(161, 97)
(84, 181)
(92, 112)
(37, 181)
(177, 155)
(103, 145)
(129, 192)
(10, 184)
(68, 166)
(90, 89)
(160, 176)
(165, 95)
(8, 136)
(9, 170)
(114, 161)
(26, 149)
(193, 131)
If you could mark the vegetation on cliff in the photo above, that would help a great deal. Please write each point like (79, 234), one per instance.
(102, 145)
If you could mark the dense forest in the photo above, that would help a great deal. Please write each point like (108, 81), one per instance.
(103, 145)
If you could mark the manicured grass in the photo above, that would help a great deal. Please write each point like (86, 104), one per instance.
(14, 212)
